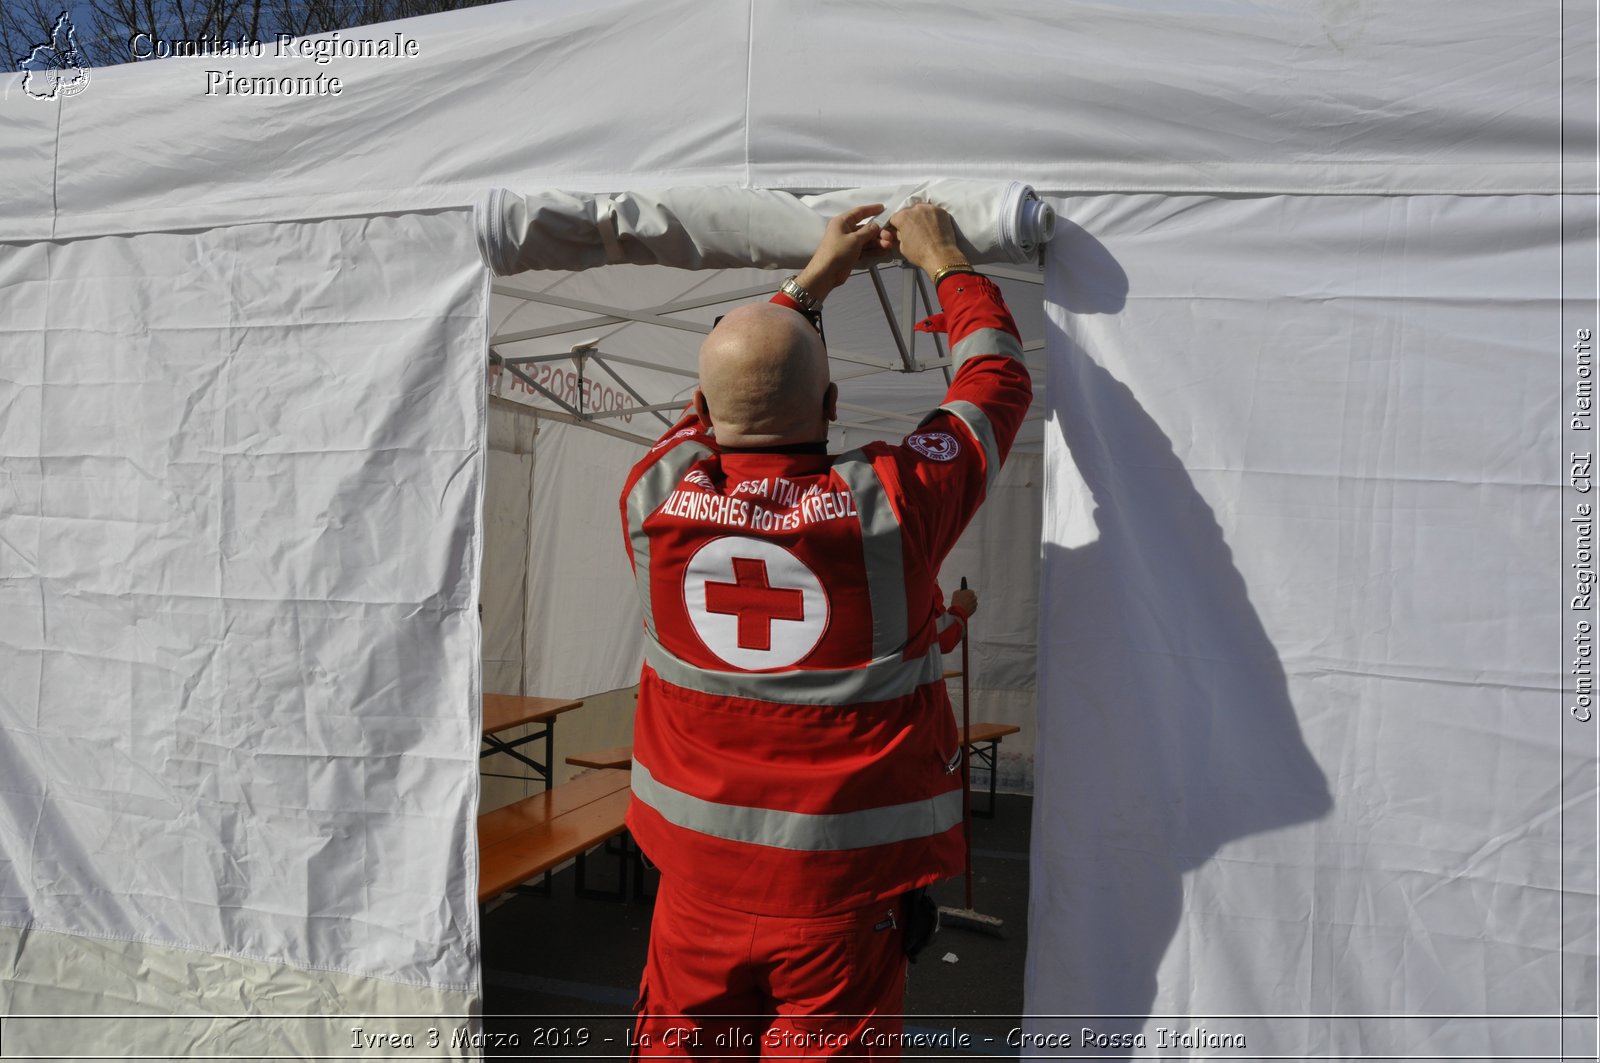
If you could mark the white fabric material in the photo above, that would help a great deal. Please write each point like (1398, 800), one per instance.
(1299, 658)
(730, 228)
(165, 1003)
(585, 631)
(240, 479)
(506, 511)
(998, 556)
(1077, 95)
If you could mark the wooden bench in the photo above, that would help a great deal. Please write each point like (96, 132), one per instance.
(988, 735)
(614, 757)
(534, 835)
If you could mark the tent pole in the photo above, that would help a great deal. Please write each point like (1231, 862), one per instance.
(889, 315)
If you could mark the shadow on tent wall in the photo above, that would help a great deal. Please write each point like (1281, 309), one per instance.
(1168, 715)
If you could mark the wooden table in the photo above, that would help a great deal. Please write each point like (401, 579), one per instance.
(988, 734)
(502, 712)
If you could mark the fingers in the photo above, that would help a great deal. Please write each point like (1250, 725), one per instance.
(847, 239)
(926, 235)
(866, 235)
(877, 249)
(856, 215)
(855, 232)
(919, 212)
(879, 242)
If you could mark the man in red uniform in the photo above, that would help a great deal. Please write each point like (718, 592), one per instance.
(796, 762)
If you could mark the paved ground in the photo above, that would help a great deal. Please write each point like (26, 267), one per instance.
(561, 968)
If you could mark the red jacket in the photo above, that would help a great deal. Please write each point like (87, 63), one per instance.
(794, 748)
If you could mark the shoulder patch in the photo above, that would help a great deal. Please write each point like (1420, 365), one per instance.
(935, 446)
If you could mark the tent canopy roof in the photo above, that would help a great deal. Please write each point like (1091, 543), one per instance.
(1242, 97)
(544, 315)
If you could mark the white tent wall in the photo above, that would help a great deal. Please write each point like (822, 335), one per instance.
(505, 558)
(239, 495)
(503, 594)
(1301, 669)
(584, 629)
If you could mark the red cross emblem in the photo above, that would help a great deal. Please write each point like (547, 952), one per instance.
(754, 604)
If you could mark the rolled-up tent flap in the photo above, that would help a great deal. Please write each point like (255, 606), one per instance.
(728, 228)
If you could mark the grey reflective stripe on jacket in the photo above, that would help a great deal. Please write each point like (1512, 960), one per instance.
(985, 341)
(982, 341)
(977, 423)
(882, 552)
(878, 680)
(649, 491)
(804, 831)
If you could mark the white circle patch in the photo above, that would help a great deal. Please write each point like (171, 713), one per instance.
(940, 446)
(753, 603)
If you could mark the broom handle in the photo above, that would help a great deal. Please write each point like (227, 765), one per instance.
(966, 759)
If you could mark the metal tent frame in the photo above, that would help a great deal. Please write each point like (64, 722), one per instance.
(518, 350)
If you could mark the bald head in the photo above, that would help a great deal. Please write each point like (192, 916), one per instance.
(764, 379)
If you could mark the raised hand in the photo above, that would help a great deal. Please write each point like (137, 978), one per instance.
(926, 236)
(845, 242)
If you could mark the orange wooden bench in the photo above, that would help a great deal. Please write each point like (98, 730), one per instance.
(534, 835)
(613, 757)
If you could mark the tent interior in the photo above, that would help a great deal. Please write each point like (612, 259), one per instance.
(1289, 581)
(560, 615)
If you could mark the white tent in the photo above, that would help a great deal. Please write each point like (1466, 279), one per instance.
(1301, 514)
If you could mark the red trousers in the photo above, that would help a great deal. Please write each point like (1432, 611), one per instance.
(721, 984)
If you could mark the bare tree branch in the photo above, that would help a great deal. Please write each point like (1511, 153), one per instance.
(25, 24)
